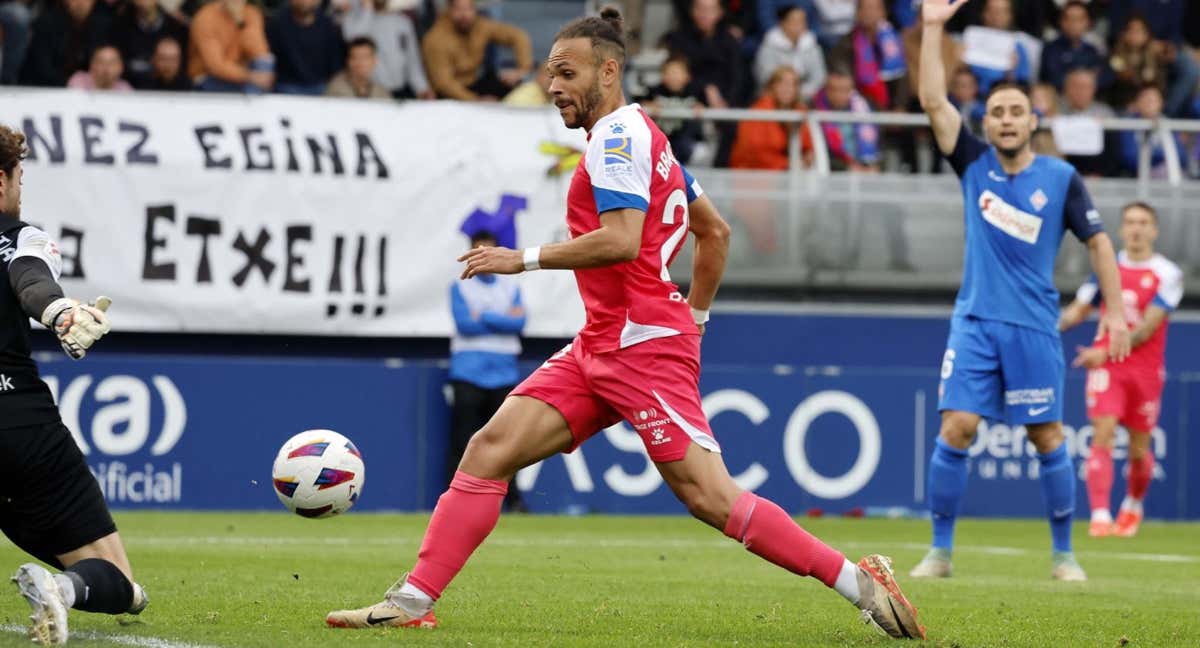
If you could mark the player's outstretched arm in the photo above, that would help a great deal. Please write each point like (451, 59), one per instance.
(618, 239)
(1074, 315)
(711, 234)
(1104, 263)
(943, 116)
(78, 326)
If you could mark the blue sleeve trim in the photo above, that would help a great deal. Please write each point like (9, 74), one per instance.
(967, 149)
(688, 181)
(1079, 214)
(608, 200)
(1161, 303)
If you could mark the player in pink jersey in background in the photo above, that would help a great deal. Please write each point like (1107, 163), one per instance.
(629, 208)
(1128, 393)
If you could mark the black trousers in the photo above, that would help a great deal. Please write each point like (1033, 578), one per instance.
(473, 407)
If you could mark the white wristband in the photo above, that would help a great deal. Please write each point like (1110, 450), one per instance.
(700, 316)
(532, 258)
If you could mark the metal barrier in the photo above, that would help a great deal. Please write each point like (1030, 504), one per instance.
(1163, 127)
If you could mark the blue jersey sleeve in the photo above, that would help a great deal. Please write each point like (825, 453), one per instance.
(967, 149)
(1079, 214)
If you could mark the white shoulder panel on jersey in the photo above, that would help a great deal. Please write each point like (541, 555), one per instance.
(618, 156)
(1170, 280)
(33, 242)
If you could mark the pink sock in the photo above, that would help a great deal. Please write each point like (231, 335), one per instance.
(1100, 478)
(768, 532)
(1141, 471)
(464, 516)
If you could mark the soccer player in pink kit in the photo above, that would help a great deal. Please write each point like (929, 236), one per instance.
(637, 357)
(1130, 392)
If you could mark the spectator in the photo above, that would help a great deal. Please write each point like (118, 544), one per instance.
(1069, 50)
(534, 92)
(1044, 99)
(454, 50)
(998, 14)
(964, 94)
(166, 68)
(64, 37)
(764, 144)
(678, 91)
(791, 43)
(488, 319)
(137, 29)
(835, 20)
(1079, 100)
(1164, 22)
(15, 19)
(1136, 60)
(358, 79)
(1164, 18)
(769, 13)
(400, 69)
(853, 147)
(228, 50)
(308, 48)
(104, 72)
(715, 61)
(1148, 105)
(874, 51)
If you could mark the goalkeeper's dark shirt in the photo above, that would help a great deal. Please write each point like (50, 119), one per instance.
(24, 399)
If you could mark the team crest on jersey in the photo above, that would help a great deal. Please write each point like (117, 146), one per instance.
(1148, 280)
(1038, 200)
(1009, 219)
(617, 128)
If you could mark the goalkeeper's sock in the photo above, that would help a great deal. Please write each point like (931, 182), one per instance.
(1058, 493)
(770, 533)
(1100, 478)
(464, 516)
(95, 585)
(947, 484)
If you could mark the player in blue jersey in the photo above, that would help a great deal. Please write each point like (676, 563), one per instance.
(1004, 359)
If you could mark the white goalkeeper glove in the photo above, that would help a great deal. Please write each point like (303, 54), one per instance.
(78, 326)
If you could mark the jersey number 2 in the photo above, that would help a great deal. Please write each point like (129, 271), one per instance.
(677, 200)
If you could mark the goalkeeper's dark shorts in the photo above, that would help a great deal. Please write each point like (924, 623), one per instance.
(50, 503)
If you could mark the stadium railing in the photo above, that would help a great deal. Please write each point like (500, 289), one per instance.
(813, 229)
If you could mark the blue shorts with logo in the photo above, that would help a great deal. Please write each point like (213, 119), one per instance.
(1002, 372)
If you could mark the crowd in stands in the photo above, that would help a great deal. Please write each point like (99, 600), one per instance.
(1082, 60)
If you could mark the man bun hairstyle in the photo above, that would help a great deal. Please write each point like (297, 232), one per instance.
(606, 31)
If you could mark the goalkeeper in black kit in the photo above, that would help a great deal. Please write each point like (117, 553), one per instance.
(50, 504)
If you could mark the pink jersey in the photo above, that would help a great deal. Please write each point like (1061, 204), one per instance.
(1154, 282)
(629, 164)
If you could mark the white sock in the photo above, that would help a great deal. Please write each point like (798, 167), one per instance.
(1132, 504)
(1101, 515)
(67, 587)
(413, 601)
(847, 582)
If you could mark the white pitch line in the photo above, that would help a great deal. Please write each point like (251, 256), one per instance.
(122, 639)
(265, 542)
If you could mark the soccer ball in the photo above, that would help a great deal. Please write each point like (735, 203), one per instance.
(318, 474)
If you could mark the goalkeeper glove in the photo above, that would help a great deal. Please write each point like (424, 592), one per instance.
(78, 326)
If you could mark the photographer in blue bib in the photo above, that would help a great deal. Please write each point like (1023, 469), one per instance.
(488, 319)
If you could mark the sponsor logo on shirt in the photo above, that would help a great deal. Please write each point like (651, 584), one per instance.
(1093, 216)
(1008, 219)
(1029, 396)
(618, 156)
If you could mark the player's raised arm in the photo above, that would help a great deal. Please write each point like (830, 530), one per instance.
(943, 116)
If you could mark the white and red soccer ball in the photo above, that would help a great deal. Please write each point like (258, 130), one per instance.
(318, 474)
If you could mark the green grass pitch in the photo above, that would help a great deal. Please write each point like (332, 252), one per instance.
(266, 580)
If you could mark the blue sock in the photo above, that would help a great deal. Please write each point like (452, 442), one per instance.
(1058, 493)
(947, 483)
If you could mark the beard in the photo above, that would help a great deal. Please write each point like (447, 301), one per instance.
(586, 107)
(1011, 152)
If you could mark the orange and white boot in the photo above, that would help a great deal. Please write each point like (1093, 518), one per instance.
(1101, 525)
(1128, 521)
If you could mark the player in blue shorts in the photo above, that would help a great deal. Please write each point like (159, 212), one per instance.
(1004, 359)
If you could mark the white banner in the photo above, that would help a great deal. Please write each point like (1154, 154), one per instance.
(221, 213)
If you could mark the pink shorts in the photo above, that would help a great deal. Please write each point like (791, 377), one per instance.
(1134, 397)
(653, 385)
